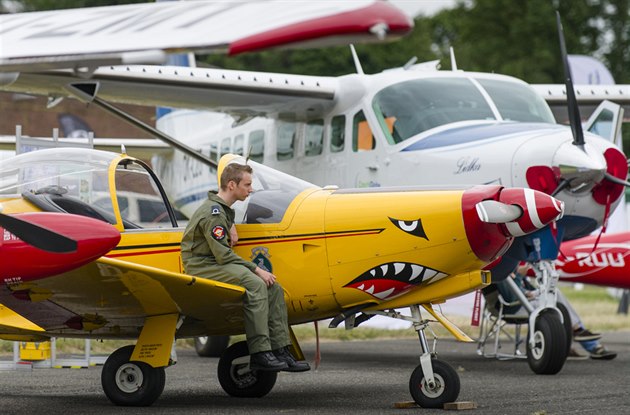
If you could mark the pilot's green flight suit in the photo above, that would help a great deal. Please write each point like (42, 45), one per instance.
(206, 253)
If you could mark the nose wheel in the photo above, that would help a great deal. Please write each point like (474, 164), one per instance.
(434, 382)
(444, 387)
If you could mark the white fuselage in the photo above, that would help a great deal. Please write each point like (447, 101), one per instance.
(424, 127)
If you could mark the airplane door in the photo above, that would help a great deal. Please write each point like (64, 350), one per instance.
(606, 121)
(364, 162)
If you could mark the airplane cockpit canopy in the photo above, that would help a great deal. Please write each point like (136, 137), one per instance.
(409, 108)
(81, 181)
(273, 193)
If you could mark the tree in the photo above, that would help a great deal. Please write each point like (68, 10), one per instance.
(520, 38)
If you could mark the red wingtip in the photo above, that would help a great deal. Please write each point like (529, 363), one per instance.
(350, 24)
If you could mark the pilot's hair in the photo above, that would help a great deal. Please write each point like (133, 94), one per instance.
(234, 172)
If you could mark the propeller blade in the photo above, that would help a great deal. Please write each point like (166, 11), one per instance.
(616, 180)
(37, 236)
(572, 106)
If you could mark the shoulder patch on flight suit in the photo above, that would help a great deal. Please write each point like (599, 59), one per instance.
(218, 232)
(216, 210)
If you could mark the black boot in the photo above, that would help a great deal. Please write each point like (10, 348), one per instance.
(266, 361)
(284, 355)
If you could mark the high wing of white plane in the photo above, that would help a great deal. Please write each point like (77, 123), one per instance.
(127, 34)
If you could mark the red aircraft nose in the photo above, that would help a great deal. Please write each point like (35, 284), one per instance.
(539, 209)
(25, 262)
(493, 216)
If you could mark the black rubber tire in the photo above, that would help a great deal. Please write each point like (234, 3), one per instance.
(550, 352)
(251, 384)
(568, 327)
(211, 346)
(447, 385)
(121, 380)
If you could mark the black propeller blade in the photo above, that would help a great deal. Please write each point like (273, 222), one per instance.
(37, 236)
(574, 110)
(616, 180)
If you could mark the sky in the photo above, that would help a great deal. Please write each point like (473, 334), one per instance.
(426, 7)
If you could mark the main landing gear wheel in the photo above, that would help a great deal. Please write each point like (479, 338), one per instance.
(568, 327)
(237, 380)
(131, 383)
(446, 388)
(550, 349)
(211, 346)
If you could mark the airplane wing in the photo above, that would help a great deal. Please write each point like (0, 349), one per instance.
(112, 299)
(144, 33)
(585, 94)
(239, 93)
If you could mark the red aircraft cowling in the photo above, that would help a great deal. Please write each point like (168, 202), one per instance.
(22, 262)
(608, 265)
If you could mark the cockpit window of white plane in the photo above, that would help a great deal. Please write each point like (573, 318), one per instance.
(337, 133)
(517, 102)
(285, 140)
(257, 145)
(362, 137)
(409, 108)
(273, 193)
(314, 138)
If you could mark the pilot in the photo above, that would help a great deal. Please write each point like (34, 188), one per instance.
(207, 253)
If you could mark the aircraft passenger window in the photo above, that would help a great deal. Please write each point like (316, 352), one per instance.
(362, 137)
(238, 144)
(226, 145)
(214, 153)
(314, 138)
(257, 145)
(337, 133)
(286, 140)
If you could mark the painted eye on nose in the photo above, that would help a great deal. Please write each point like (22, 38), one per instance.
(412, 227)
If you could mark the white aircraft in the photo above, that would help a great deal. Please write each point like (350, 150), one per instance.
(412, 126)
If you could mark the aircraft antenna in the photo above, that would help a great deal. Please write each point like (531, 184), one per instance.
(357, 63)
(410, 63)
(453, 62)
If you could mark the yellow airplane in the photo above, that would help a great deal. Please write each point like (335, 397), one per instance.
(342, 254)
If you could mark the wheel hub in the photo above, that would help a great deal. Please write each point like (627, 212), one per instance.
(435, 390)
(129, 378)
(539, 345)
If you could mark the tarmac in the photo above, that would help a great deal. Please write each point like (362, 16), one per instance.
(366, 377)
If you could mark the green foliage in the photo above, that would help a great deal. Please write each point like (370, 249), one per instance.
(32, 5)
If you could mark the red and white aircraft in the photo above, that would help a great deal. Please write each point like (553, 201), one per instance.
(607, 264)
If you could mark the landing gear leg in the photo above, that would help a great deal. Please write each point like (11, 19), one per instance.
(434, 382)
(548, 340)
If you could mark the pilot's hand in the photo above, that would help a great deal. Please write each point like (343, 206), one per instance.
(266, 276)
(233, 236)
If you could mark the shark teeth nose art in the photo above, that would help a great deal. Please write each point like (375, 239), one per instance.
(393, 278)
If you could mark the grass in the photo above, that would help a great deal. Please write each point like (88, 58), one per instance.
(595, 306)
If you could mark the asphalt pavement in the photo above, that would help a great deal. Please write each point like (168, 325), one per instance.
(366, 377)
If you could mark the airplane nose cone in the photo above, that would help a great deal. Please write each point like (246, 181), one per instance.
(538, 210)
(581, 168)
